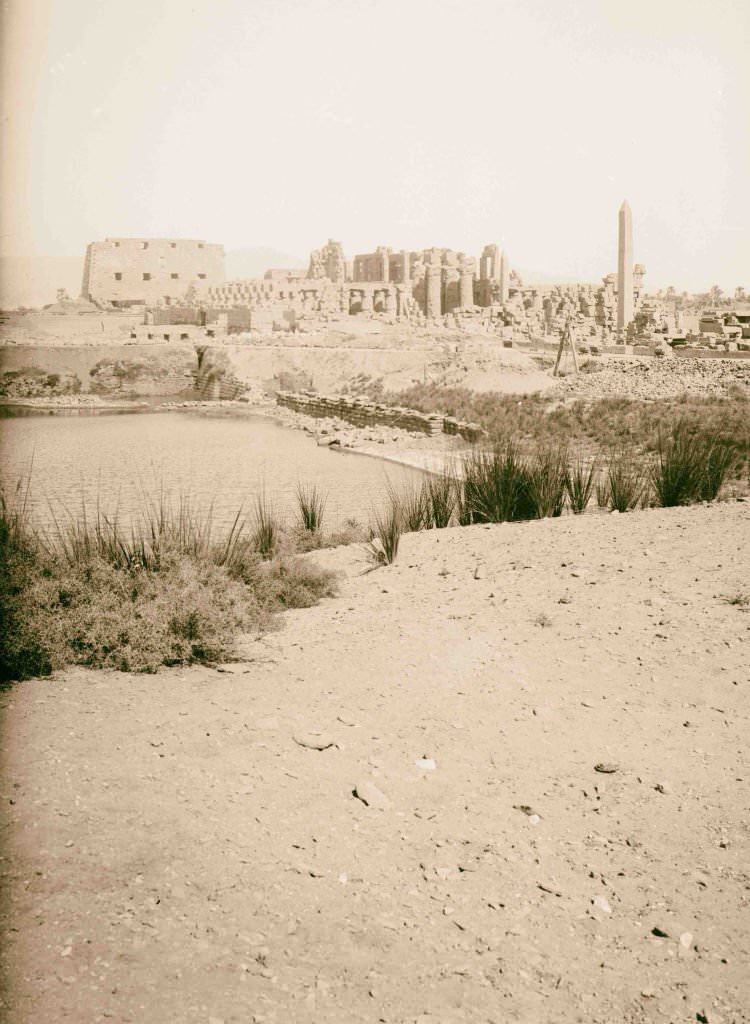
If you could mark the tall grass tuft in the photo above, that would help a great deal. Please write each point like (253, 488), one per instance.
(386, 530)
(690, 466)
(627, 485)
(547, 475)
(412, 503)
(266, 534)
(496, 486)
(311, 501)
(441, 499)
(675, 476)
(719, 459)
(580, 480)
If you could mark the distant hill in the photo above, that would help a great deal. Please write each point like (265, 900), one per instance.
(254, 262)
(34, 280)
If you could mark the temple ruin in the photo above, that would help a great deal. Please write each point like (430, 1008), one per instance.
(423, 287)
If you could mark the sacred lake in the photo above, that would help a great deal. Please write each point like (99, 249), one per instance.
(121, 461)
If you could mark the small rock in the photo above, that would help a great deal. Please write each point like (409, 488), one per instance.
(534, 819)
(602, 903)
(659, 933)
(686, 940)
(606, 767)
(426, 763)
(370, 795)
(661, 787)
(479, 573)
(313, 740)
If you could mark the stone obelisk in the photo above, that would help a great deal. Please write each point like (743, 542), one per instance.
(624, 269)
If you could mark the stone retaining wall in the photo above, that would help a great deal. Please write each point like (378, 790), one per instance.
(363, 413)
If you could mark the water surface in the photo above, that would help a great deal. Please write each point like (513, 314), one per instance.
(120, 460)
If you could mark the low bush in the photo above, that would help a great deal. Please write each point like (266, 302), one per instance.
(169, 592)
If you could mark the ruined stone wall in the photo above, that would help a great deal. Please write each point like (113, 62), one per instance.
(149, 270)
(363, 413)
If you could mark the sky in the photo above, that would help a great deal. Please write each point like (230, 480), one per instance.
(408, 123)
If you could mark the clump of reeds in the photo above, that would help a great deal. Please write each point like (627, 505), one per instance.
(626, 482)
(441, 499)
(690, 466)
(385, 533)
(546, 479)
(496, 486)
(311, 501)
(580, 479)
(412, 506)
(266, 533)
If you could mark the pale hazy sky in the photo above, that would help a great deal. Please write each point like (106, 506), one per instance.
(407, 123)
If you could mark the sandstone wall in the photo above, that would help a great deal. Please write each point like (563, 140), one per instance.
(362, 413)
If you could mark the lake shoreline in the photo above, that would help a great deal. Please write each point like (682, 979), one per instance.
(428, 454)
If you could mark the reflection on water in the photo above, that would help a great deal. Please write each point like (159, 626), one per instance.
(120, 460)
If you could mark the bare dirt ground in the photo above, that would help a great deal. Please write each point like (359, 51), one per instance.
(177, 851)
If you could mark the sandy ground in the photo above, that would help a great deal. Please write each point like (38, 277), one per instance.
(175, 853)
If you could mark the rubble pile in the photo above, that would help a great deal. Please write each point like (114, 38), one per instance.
(652, 378)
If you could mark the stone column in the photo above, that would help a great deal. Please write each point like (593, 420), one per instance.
(390, 301)
(433, 289)
(503, 277)
(624, 268)
(367, 300)
(466, 288)
(405, 267)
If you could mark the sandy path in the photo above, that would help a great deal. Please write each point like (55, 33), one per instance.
(173, 855)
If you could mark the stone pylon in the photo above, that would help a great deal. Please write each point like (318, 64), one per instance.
(624, 268)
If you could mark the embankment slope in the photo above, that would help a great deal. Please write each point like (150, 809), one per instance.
(174, 853)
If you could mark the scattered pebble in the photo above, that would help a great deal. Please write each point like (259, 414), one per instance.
(313, 740)
(602, 903)
(370, 795)
(426, 763)
(606, 767)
